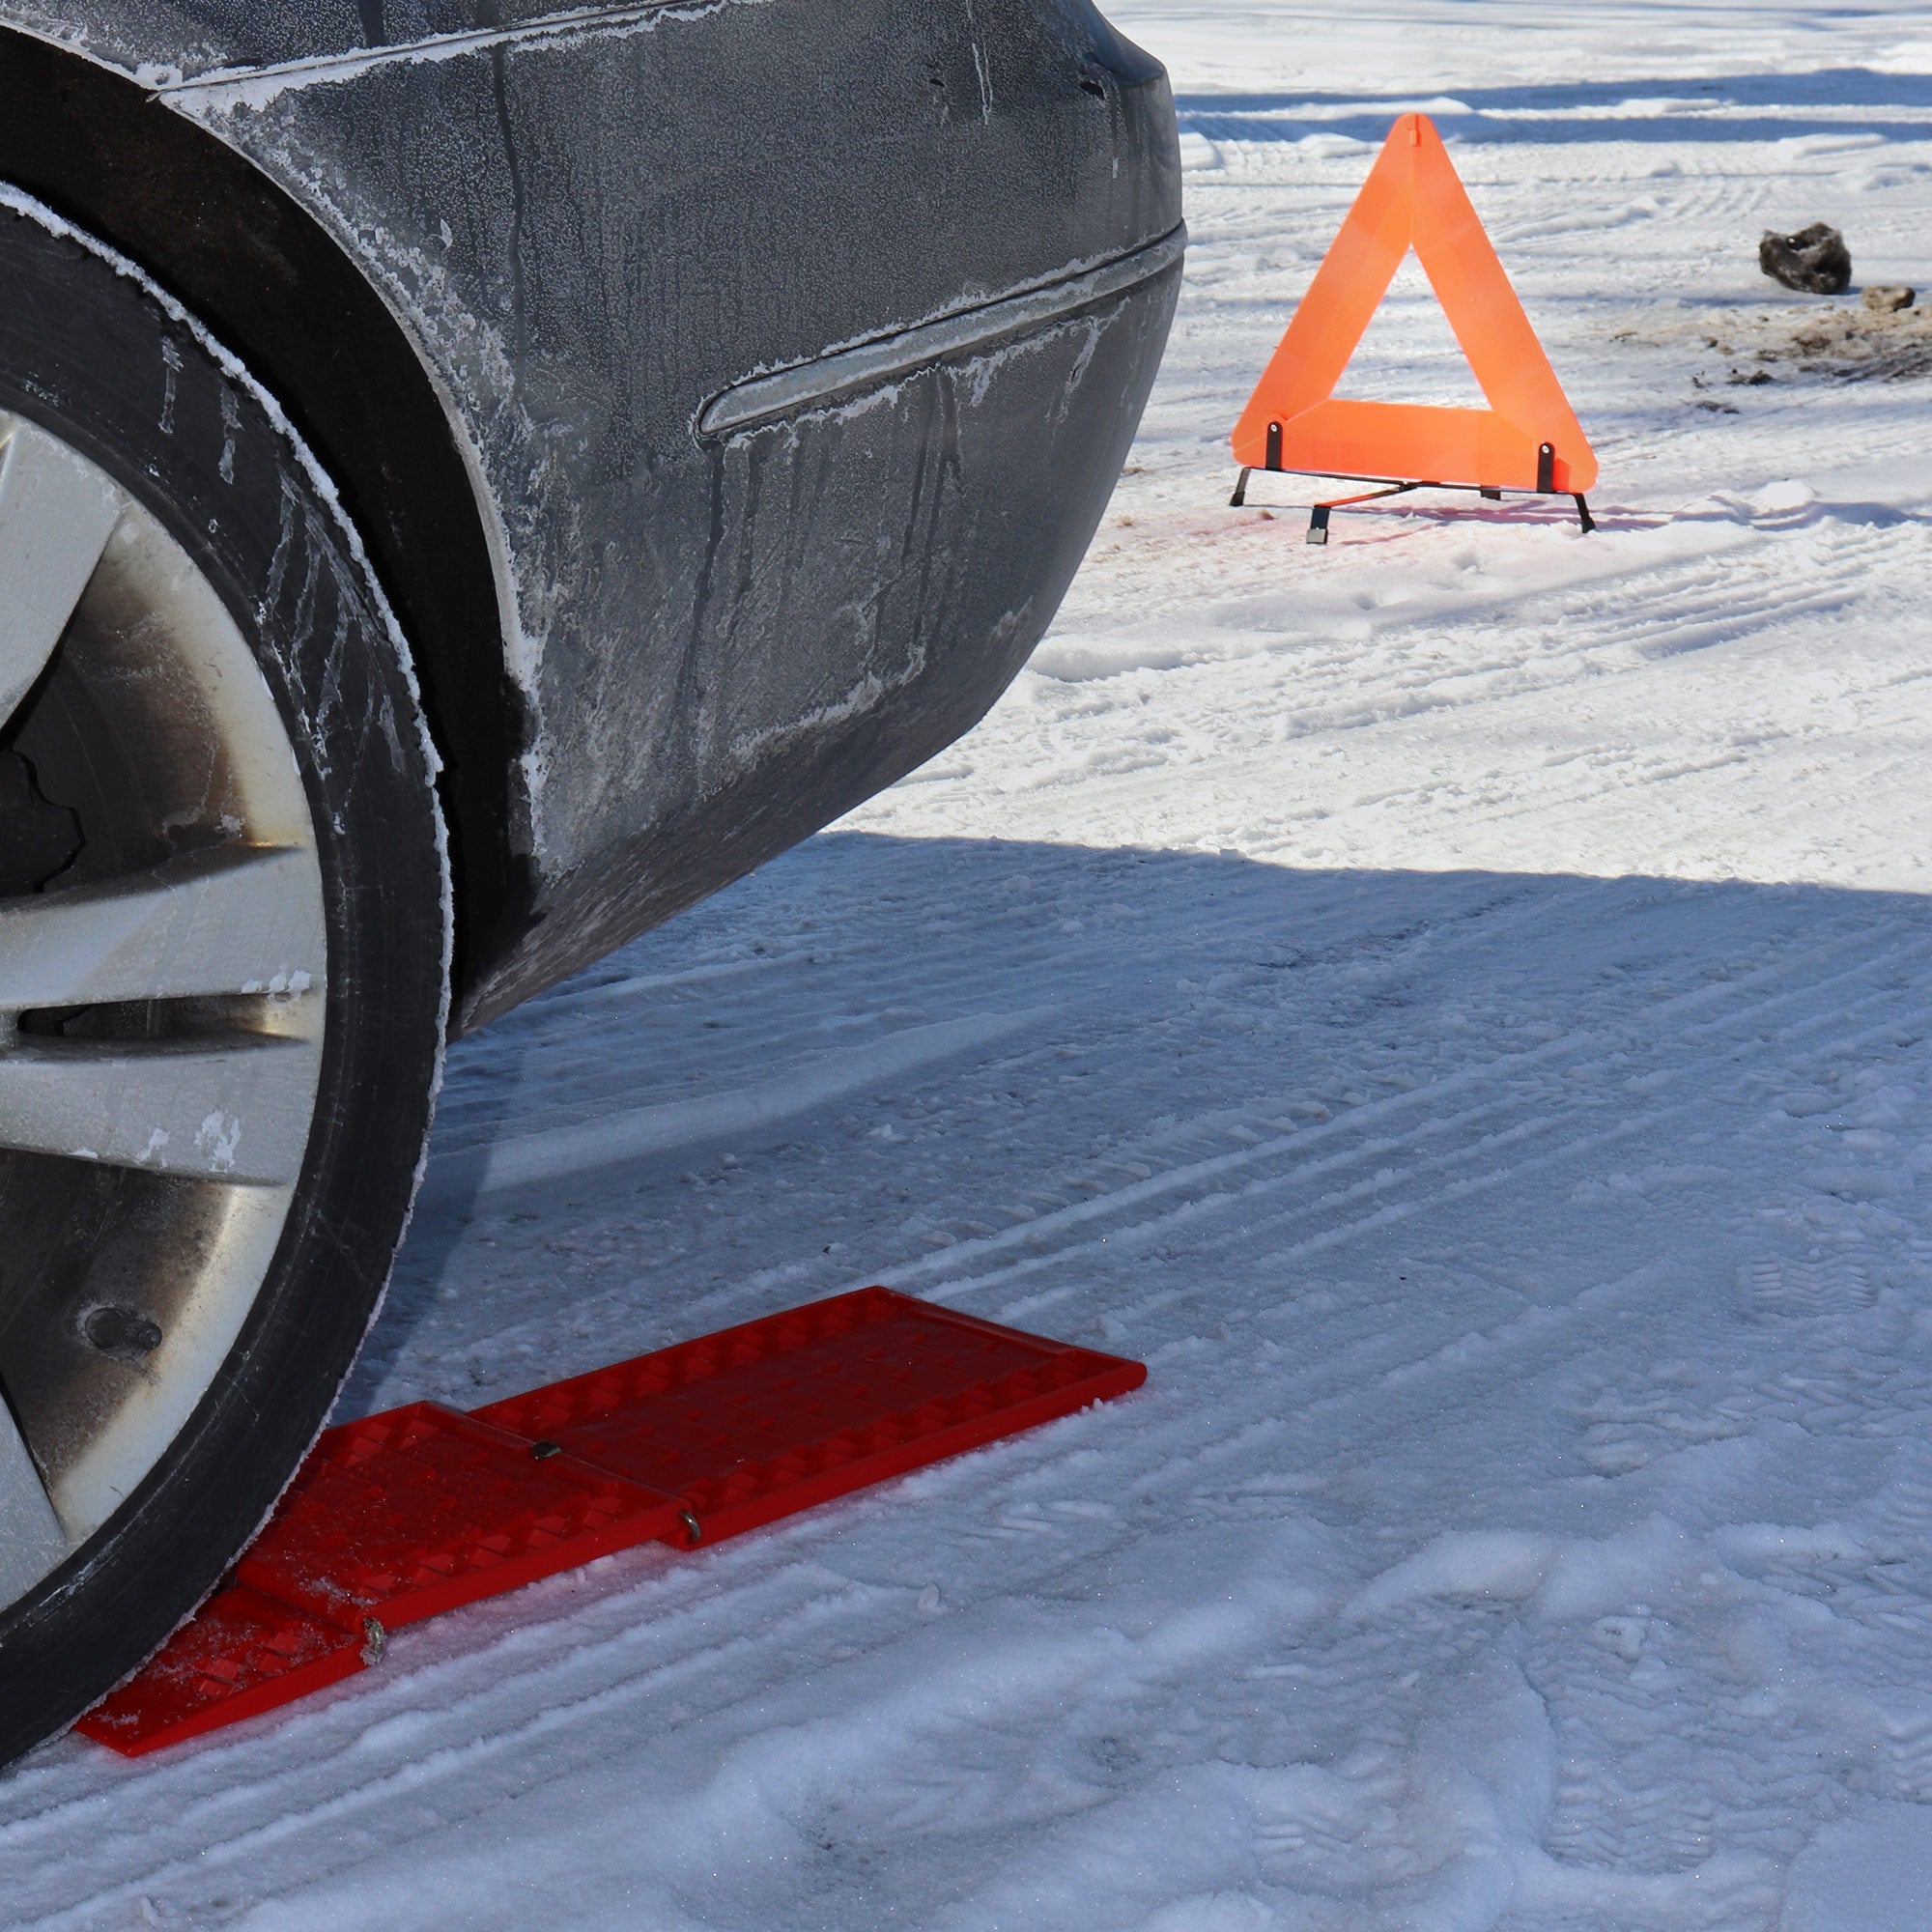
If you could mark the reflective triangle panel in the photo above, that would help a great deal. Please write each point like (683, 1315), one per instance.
(1414, 198)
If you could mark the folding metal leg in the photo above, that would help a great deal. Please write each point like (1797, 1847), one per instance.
(1318, 515)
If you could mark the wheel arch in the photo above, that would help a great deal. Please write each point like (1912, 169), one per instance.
(280, 292)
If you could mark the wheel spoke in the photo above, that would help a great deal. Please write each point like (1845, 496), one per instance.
(226, 920)
(57, 512)
(32, 1541)
(237, 1111)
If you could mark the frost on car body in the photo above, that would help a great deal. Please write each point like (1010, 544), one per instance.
(599, 225)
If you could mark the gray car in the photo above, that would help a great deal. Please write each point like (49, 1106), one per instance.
(474, 479)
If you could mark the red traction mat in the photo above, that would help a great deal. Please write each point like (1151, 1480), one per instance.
(241, 1654)
(405, 1515)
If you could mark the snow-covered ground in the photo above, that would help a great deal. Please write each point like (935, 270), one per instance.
(1458, 1005)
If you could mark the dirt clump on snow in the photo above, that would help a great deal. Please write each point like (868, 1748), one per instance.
(1814, 261)
(1890, 342)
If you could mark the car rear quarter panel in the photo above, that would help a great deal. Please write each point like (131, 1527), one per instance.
(593, 223)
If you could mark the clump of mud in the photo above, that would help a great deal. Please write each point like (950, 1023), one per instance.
(1761, 344)
(1815, 259)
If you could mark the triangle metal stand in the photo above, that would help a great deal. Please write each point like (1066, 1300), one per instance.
(1317, 513)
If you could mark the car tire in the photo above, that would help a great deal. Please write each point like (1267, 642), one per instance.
(224, 945)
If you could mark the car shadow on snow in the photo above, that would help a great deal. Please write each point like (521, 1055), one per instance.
(878, 1051)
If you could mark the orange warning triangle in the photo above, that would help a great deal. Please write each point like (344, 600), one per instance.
(1414, 197)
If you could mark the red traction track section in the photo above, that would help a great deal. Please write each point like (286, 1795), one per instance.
(405, 1515)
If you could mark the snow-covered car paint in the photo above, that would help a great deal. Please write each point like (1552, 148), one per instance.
(727, 391)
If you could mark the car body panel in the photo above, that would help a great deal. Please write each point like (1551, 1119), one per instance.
(167, 40)
(793, 347)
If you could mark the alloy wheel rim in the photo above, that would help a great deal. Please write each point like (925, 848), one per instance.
(163, 983)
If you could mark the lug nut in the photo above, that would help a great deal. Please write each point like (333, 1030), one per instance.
(117, 1331)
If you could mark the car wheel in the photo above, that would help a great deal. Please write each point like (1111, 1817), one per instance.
(223, 963)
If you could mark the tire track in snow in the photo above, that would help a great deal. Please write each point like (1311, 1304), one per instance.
(1335, 1227)
(1198, 1184)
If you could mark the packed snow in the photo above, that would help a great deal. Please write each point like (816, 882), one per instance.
(1458, 1004)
